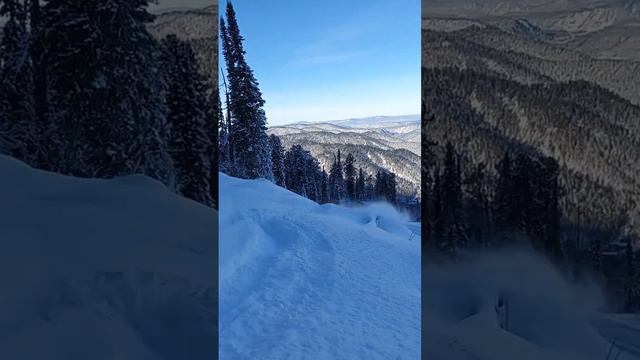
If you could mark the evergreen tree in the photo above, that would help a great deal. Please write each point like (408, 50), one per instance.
(224, 145)
(361, 186)
(477, 206)
(435, 218)
(350, 177)
(550, 196)
(337, 189)
(505, 209)
(212, 113)
(18, 132)
(379, 186)
(22, 86)
(452, 217)
(43, 153)
(428, 165)
(385, 186)
(251, 150)
(295, 172)
(391, 191)
(324, 187)
(228, 126)
(302, 174)
(190, 144)
(109, 114)
(277, 160)
(313, 177)
(369, 193)
(525, 215)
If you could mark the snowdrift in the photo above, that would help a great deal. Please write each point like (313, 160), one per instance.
(300, 280)
(121, 269)
(103, 269)
(515, 305)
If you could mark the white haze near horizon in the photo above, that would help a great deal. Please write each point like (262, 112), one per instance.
(370, 119)
(283, 116)
(168, 4)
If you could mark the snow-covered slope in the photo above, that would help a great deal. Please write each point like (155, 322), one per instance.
(542, 316)
(103, 269)
(300, 280)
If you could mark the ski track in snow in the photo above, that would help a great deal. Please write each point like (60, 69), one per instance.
(322, 282)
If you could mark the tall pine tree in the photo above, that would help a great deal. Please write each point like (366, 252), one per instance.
(504, 204)
(296, 174)
(224, 144)
(350, 177)
(361, 186)
(324, 187)
(452, 216)
(277, 160)
(250, 142)
(189, 143)
(337, 189)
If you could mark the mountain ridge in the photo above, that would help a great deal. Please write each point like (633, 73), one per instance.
(603, 29)
(490, 90)
(392, 144)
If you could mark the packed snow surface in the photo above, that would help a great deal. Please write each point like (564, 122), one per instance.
(103, 269)
(300, 280)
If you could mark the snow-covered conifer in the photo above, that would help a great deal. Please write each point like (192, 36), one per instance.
(277, 160)
(189, 142)
(250, 142)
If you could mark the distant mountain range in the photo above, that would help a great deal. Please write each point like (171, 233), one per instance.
(601, 28)
(502, 79)
(198, 26)
(391, 143)
(187, 23)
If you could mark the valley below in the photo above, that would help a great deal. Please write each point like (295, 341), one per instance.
(531, 77)
(391, 143)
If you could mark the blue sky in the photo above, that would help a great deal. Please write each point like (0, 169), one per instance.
(333, 59)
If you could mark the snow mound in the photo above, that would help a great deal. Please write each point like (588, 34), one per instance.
(103, 269)
(512, 305)
(300, 280)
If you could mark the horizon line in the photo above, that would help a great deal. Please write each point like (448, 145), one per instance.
(346, 119)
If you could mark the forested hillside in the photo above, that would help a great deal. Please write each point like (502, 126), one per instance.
(528, 138)
(380, 143)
